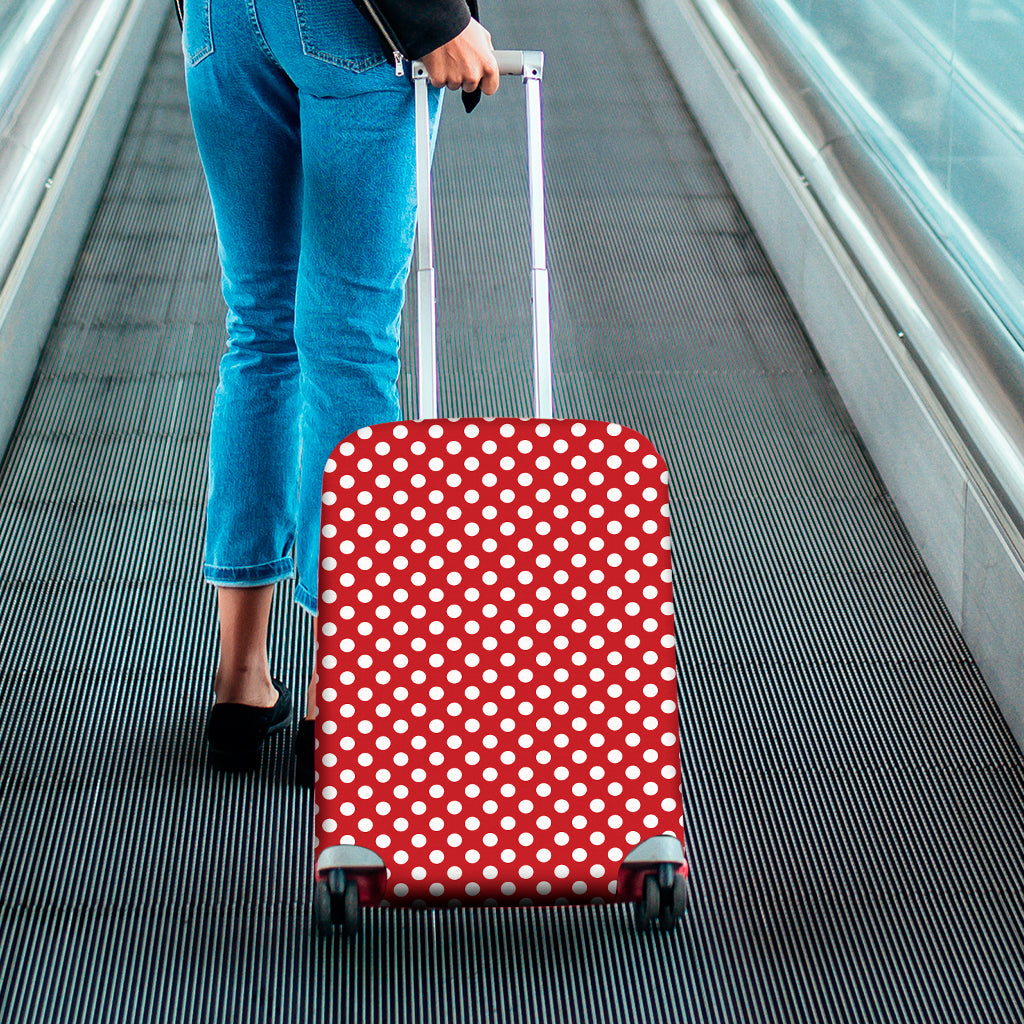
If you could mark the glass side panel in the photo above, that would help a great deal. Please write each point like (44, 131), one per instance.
(936, 87)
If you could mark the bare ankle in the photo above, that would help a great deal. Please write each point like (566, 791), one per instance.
(244, 685)
(311, 697)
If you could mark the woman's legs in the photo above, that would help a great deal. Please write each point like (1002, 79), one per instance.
(243, 675)
(315, 226)
(358, 227)
(357, 233)
(245, 115)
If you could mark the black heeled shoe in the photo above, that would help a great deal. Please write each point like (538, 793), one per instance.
(237, 732)
(304, 744)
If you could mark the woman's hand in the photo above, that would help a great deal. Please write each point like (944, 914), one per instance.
(467, 61)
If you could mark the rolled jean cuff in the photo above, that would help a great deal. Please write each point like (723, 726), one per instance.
(249, 575)
(305, 599)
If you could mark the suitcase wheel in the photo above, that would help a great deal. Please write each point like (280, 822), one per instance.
(674, 903)
(649, 904)
(664, 898)
(336, 901)
(348, 908)
(322, 909)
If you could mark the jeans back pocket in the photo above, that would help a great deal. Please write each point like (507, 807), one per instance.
(336, 33)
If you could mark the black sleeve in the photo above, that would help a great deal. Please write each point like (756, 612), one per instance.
(425, 24)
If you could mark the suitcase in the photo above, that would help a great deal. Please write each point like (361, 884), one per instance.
(496, 695)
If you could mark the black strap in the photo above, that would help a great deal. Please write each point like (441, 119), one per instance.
(471, 99)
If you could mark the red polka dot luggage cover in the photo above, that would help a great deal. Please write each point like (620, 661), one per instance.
(497, 704)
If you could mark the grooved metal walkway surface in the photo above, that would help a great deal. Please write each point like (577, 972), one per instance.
(855, 804)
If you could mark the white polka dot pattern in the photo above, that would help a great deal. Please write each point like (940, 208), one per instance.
(497, 696)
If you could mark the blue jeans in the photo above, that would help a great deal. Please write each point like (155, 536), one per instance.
(306, 138)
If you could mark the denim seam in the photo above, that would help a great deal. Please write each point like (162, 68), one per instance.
(257, 31)
(195, 57)
(306, 599)
(250, 575)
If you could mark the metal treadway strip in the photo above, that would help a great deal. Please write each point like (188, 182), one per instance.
(855, 803)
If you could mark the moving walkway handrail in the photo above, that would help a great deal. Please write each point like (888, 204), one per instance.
(969, 355)
(66, 101)
(47, 101)
(26, 27)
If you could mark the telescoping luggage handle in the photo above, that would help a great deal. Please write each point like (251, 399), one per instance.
(529, 64)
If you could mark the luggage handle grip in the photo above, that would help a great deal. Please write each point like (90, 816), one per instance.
(524, 63)
(530, 65)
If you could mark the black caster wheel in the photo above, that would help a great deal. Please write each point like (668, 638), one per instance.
(683, 896)
(674, 901)
(322, 911)
(350, 911)
(649, 904)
